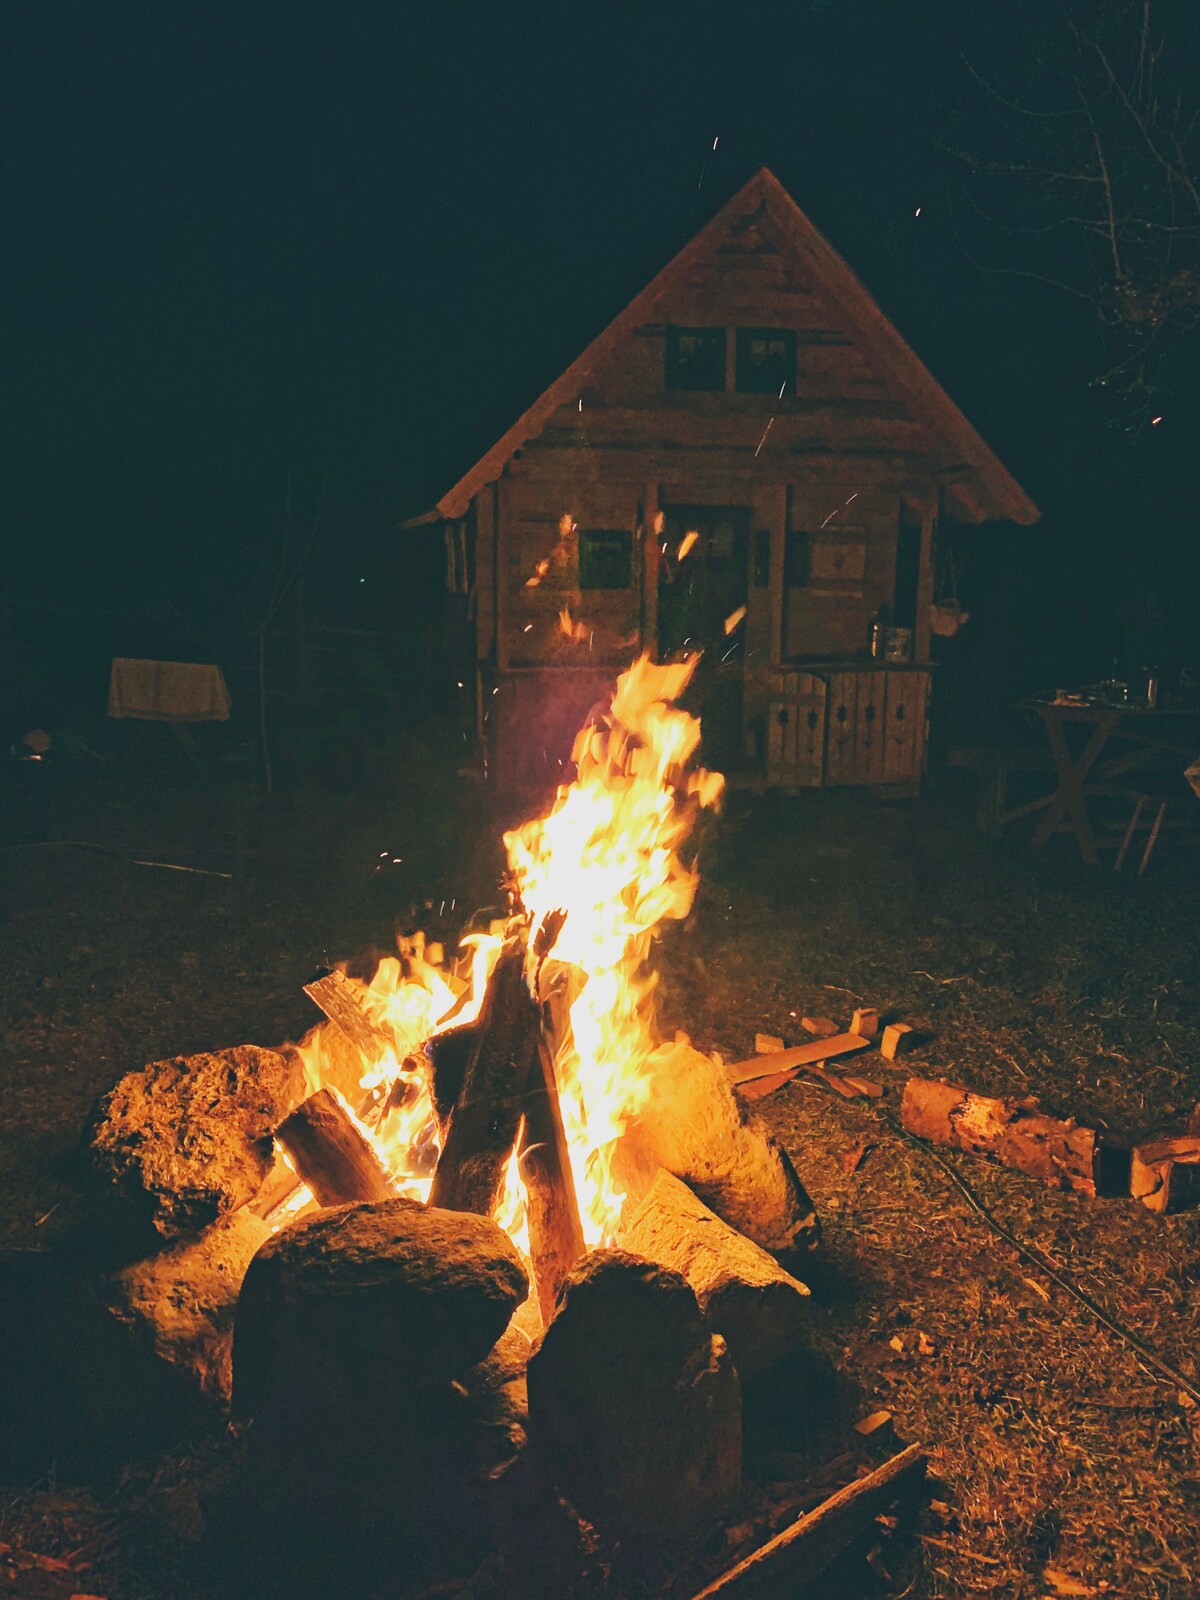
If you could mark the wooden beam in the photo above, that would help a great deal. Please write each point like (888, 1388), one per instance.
(800, 1055)
(929, 521)
(650, 565)
(806, 1549)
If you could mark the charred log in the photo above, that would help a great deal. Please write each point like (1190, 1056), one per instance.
(484, 1122)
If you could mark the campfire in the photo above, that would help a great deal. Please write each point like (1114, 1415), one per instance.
(487, 1182)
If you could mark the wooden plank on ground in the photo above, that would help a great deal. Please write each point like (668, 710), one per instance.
(799, 1055)
(806, 1549)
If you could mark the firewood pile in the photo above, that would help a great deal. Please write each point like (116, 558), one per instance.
(403, 1378)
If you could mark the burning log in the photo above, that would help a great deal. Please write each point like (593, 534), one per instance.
(695, 1127)
(806, 1549)
(185, 1141)
(331, 1155)
(449, 1054)
(635, 1407)
(555, 1231)
(1015, 1133)
(747, 1297)
(483, 1124)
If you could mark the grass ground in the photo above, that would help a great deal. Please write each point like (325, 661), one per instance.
(1063, 1466)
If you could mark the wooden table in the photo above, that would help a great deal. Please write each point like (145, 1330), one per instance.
(1168, 735)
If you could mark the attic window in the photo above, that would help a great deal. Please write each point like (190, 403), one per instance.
(766, 361)
(605, 558)
(696, 358)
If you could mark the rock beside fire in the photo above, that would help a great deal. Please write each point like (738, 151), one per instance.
(695, 1127)
(188, 1140)
(635, 1406)
(145, 1347)
(747, 1297)
(376, 1298)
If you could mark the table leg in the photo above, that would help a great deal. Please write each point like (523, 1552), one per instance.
(1072, 775)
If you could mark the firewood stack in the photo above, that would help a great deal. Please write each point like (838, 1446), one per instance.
(377, 1347)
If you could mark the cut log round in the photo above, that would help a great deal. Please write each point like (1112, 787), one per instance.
(744, 1293)
(185, 1141)
(1015, 1133)
(483, 1124)
(634, 1405)
(371, 1297)
(145, 1347)
(695, 1127)
(332, 1155)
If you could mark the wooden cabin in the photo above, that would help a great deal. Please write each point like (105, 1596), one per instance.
(751, 461)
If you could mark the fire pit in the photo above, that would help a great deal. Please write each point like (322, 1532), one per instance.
(509, 1257)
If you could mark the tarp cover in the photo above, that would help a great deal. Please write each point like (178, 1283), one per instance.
(167, 691)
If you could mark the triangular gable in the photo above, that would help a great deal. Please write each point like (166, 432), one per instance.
(994, 493)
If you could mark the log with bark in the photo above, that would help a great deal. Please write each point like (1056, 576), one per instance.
(1017, 1134)
(745, 1295)
(331, 1154)
(484, 1122)
(694, 1125)
(806, 1549)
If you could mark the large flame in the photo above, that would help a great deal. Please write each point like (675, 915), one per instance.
(604, 863)
(607, 855)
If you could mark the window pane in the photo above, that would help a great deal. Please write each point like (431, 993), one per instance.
(696, 358)
(766, 360)
(605, 558)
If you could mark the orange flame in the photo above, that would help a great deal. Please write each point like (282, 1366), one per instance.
(607, 856)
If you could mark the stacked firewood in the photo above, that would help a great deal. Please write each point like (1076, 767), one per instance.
(379, 1351)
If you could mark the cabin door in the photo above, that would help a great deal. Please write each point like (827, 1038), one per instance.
(703, 581)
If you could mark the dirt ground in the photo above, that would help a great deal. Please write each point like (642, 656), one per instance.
(1062, 1465)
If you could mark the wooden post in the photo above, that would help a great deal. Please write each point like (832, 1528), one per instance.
(925, 575)
(651, 556)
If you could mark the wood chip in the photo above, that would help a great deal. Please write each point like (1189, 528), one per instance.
(925, 1345)
(897, 1038)
(766, 1044)
(1064, 1583)
(819, 1027)
(872, 1422)
(865, 1021)
(850, 1160)
(759, 1088)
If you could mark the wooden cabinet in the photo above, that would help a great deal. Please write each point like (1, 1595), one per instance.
(829, 727)
(796, 730)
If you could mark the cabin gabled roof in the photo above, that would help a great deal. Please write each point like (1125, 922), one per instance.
(990, 493)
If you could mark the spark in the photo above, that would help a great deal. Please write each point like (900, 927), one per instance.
(917, 212)
(763, 440)
(581, 402)
(734, 617)
(1154, 421)
(528, 628)
(686, 544)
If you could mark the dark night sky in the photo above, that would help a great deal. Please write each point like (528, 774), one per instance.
(263, 239)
